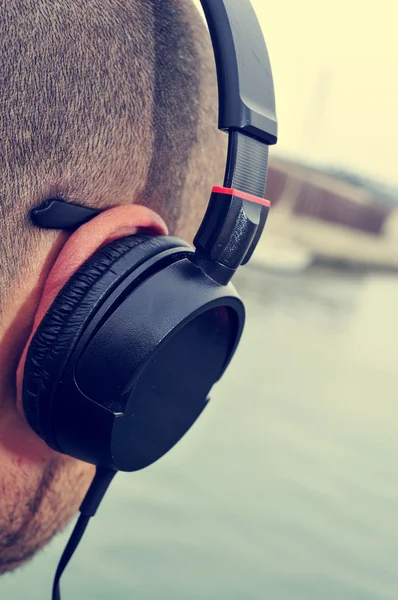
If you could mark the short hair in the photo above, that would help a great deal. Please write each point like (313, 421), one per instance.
(100, 99)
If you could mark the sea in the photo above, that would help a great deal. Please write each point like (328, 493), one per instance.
(286, 488)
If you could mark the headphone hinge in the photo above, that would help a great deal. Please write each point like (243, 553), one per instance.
(229, 232)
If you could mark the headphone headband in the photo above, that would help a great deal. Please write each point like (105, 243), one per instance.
(245, 84)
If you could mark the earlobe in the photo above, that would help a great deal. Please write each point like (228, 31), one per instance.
(110, 225)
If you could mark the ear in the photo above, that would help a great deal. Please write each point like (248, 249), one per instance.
(108, 226)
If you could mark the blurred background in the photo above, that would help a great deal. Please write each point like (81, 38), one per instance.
(287, 489)
(333, 179)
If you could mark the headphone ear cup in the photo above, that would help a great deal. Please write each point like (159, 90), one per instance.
(64, 322)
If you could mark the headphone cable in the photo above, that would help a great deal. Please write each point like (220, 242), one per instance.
(88, 508)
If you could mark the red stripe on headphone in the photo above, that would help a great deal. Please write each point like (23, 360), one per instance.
(243, 195)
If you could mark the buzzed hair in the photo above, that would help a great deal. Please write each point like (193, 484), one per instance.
(100, 99)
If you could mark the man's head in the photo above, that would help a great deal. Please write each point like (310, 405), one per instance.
(111, 104)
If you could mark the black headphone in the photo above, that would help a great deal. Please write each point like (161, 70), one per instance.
(123, 362)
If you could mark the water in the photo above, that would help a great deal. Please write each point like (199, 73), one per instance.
(288, 487)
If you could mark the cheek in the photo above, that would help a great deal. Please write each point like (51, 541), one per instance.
(38, 502)
(20, 446)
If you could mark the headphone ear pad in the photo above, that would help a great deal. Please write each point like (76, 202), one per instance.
(64, 322)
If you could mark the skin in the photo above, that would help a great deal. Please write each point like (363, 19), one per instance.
(40, 490)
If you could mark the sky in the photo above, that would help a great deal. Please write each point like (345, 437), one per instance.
(335, 68)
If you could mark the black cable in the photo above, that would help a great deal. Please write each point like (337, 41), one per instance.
(88, 508)
(71, 546)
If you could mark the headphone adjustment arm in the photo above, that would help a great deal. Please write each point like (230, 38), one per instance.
(229, 232)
